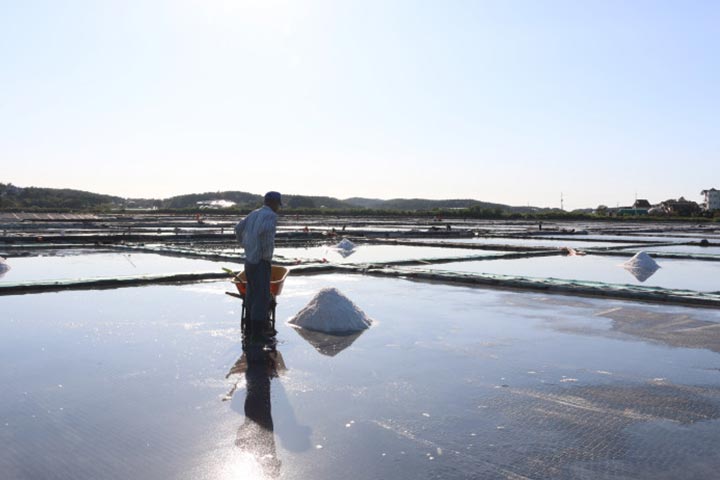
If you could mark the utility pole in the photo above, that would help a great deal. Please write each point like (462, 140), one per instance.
(562, 202)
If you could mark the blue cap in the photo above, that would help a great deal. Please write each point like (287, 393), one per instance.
(273, 197)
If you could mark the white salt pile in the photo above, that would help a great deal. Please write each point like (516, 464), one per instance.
(345, 244)
(345, 248)
(4, 267)
(641, 266)
(331, 312)
(642, 261)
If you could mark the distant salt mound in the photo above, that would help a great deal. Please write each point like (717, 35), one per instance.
(4, 267)
(641, 266)
(331, 312)
(642, 261)
(345, 248)
(345, 244)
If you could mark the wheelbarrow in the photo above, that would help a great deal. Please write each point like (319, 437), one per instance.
(277, 279)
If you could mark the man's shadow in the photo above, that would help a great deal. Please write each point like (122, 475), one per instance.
(261, 364)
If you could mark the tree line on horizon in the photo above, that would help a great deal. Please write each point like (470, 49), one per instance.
(13, 198)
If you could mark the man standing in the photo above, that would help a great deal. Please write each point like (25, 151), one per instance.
(256, 233)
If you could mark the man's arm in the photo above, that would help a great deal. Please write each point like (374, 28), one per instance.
(239, 229)
(267, 238)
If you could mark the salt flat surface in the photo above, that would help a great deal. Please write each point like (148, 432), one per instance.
(452, 383)
(574, 242)
(710, 235)
(682, 274)
(642, 237)
(691, 249)
(377, 253)
(76, 264)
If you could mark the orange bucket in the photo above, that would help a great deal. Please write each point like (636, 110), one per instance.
(277, 279)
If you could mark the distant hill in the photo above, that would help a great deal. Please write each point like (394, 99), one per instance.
(364, 202)
(242, 199)
(12, 197)
(303, 201)
(49, 198)
(426, 204)
(251, 200)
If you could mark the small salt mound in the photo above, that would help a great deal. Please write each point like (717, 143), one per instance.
(4, 267)
(345, 244)
(643, 261)
(641, 266)
(331, 312)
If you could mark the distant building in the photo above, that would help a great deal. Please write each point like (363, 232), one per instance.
(640, 207)
(712, 199)
(213, 204)
(642, 203)
(680, 207)
(631, 211)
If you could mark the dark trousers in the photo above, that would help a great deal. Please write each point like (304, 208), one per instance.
(257, 300)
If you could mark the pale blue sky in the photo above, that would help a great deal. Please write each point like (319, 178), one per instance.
(505, 101)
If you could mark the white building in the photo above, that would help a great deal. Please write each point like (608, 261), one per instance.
(216, 204)
(712, 199)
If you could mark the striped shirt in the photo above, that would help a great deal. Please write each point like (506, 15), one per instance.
(256, 234)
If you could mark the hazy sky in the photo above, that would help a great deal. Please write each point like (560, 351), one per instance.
(504, 101)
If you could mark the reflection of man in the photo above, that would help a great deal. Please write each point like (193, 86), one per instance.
(256, 233)
(256, 434)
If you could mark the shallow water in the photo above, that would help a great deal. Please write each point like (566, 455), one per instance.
(710, 235)
(450, 383)
(675, 274)
(573, 242)
(76, 264)
(379, 253)
(643, 237)
(691, 249)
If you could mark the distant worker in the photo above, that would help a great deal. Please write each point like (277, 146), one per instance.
(256, 234)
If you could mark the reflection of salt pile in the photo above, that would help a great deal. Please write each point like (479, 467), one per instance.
(329, 344)
(345, 248)
(331, 312)
(641, 266)
(4, 267)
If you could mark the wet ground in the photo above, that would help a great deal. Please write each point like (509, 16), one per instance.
(379, 253)
(450, 382)
(579, 242)
(690, 249)
(76, 264)
(673, 274)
